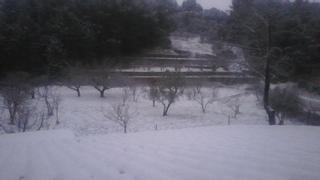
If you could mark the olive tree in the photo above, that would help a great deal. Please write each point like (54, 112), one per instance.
(100, 80)
(121, 112)
(153, 93)
(74, 79)
(170, 88)
(204, 99)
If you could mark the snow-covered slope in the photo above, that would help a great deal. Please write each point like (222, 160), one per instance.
(226, 152)
(192, 45)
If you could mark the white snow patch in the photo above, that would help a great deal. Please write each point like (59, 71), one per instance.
(192, 45)
(225, 152)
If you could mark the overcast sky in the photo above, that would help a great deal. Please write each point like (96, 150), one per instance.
(207, 4)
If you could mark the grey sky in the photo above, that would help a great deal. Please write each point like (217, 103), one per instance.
(220, 4)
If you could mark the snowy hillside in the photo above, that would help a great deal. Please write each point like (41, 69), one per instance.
(192, 45)
(225, 152)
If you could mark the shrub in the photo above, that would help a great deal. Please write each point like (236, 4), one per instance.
(286, 102)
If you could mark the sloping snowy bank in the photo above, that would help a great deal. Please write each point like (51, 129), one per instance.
(226, 152)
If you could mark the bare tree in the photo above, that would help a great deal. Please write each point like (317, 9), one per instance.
(258, 25)
(46, 93)
(2, 128)
(231, 106)
(101, 81)
(134, 92)
(170, 88)
(15, 93)
(35, 83)
(154, 93)
(125, 95)
(234, 107)
(226, 111)
(75, 78)
(120, 114)
(204, 99)
(192, 92)
(42, 118)
(24, 117)
(56, 100)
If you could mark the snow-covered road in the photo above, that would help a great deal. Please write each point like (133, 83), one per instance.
(226, 152)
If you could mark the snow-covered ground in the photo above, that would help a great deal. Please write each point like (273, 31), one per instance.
(192, 45)
(85, 115)
(206, 153)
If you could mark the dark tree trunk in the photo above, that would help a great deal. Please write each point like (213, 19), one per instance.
(102, 94)
(269, 110)
(281, 119)
(49, 108)
(78, 93)
(12, 114)
(33, 96)
(267, 70)
(166, 109)
(267, 84)
(203, 108)
(11, 119)
(41, 123)
(153, 103)
(25, 124)
(271, 115)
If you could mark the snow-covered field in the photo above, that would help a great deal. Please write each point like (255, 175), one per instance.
(205, 153)
(85, 115)
(195, 46)
(192, 45)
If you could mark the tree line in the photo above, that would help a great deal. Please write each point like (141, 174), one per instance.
(44, 35)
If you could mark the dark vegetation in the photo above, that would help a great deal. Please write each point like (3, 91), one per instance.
(192, 18)
(42, 36)
(287, 32)
(280, 39)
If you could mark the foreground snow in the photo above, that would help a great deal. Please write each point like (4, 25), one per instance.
(226, 152)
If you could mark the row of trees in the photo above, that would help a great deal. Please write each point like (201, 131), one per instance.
(166, 92)
(168, 88)
(31, 104)
(44, 35)
(22, 96)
